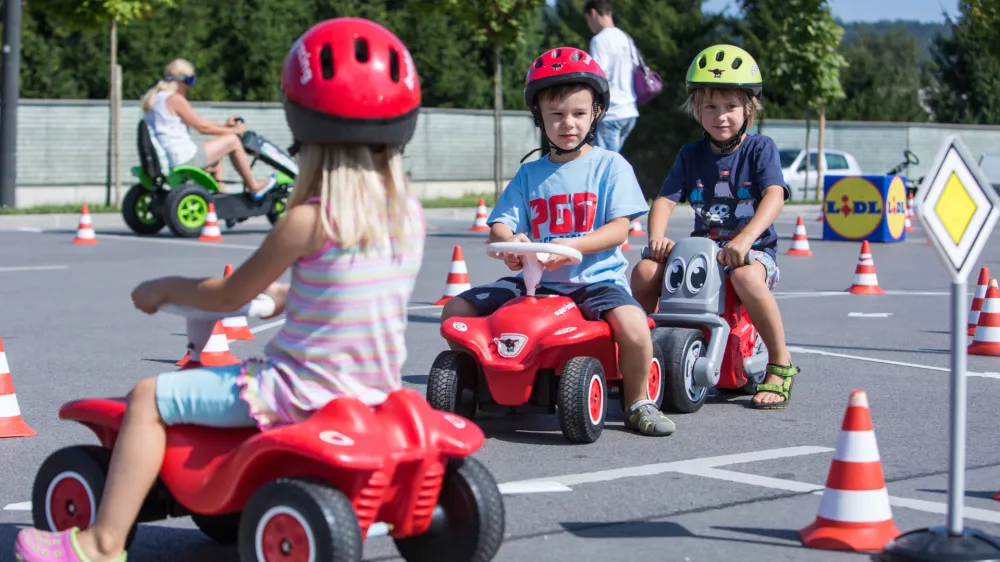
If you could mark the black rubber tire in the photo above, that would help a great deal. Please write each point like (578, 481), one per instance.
(451, 384)
(326, 511)
(474, 522)
(223, 529)
(573, 399)
(659, 360)
(170, 209)
(132, 197)
(90, 463)
(676, 346)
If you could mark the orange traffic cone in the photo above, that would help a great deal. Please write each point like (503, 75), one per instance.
(85, 232)
(635, 229)
(458, 277)
(800, 241)
(11, 422)
(977, 299)
(626, 246)
(210, 231)
(215, 353)
(910, 217)
(479, 225)
(236, 326)
(986, 341)
(854, 513)
(865, 281)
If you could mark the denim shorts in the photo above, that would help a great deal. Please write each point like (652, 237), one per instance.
(209, 396)
(771, 273)
(611, 135)
(593, 300)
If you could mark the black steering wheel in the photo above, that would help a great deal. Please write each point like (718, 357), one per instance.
(911, 158)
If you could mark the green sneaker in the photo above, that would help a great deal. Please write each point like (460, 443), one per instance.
(645, 417)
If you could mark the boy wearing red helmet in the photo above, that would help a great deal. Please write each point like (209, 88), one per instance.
(583, 197)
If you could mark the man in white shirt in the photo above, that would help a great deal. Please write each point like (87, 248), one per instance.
(612, 49)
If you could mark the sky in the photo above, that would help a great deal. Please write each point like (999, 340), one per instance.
(871, 10)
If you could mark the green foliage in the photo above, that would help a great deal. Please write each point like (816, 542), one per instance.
(921, 32)
(94, 14)
(492, 21)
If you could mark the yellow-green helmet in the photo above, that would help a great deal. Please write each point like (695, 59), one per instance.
(725, 66)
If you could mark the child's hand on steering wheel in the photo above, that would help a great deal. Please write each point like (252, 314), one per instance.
(149, 296)
(513, 261)
(556, 261)
(279, 294)
(732, 254)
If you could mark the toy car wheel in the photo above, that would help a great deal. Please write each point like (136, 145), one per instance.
(295, 520)
(278, 210)
(654, 384)
(186, 210)
(68, 489)
(581, 399)
(681, 348)
(223, 529)
(471, 527)
(751, 385)
(139, 211)
(451, 385)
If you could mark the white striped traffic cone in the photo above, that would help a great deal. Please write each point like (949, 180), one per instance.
(910, 217)
(479, 225)
(986, 341)
(215, 353)
(11, 422)
(236, 327)
(865, 281)
(800, 241)
(635, 229)
(210, 231)
(458, 277)
(854, 513)
(977, 299)
(85, 232)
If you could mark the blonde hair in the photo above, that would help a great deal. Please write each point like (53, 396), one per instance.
(177, 67)
(752, 107)
(361, 209)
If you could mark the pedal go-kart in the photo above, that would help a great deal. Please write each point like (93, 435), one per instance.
(535, 354)
(178, 197)
(704, 331)
(313, 491)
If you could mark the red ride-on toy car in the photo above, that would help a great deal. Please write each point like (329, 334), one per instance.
(535, 354)
(313, 491)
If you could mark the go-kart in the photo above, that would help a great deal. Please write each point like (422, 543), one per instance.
(911, 159)
(312, 491)
(535, 354)
(178, 196)
(704, 331)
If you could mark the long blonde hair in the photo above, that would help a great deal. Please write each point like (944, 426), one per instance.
(177, 67)
(360, 209)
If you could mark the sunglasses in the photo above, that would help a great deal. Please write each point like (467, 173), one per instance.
(189, 79)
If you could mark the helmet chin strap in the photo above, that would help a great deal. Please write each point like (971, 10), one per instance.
(553, 147)
(726, 146)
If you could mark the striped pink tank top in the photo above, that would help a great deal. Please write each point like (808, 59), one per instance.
(344, 330)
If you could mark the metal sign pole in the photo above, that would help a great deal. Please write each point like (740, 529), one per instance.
(956, 415)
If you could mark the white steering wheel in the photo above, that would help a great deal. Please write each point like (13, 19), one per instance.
(200, 323)
(533, 255)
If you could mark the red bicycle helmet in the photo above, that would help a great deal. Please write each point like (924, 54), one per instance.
(350, 80)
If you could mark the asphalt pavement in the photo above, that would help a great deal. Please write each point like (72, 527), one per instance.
(752, 478)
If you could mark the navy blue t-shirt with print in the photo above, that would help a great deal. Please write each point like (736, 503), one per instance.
(729, 186)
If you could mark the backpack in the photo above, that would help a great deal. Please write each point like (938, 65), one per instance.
(645, 81)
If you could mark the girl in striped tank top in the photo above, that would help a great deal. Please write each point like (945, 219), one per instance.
(354, 241)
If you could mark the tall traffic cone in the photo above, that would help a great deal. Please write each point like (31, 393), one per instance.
(236, 326)
(458, 277)
(800, 241)
(85, 232)
(977, 299)
(910, 217)
(635, 229)
(11, 422)
(210, 231)
(479, 225)
(865, 281)
(986, 340)
(854, 513)
(215, 353)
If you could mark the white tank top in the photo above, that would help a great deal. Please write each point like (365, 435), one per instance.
(170, 131)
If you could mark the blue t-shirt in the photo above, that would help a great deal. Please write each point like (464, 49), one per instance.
(547, 200)
(730, 186)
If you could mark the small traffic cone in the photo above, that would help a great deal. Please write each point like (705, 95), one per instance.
(977, 299)
(626, 246)
(458, 277)
(854, 513)
(865, 281)
(236, 327)
(215, 354)
(635, 229)
(800, 241)
(11, 422)
(986, 340)
(910, 217)
(479, 225)
(210, 231)
(85, 232)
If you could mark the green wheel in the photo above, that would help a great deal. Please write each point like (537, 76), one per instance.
(138, 211)
(187, 209)
(278, 210)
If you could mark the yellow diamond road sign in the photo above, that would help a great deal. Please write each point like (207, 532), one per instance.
(958, 207)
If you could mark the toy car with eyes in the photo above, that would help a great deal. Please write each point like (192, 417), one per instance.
(706, 336)
(535, 354)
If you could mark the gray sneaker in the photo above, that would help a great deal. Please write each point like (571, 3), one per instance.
(645, 417)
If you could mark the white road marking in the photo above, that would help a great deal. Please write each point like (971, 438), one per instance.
(22, 506)
(539, 487)
(28, 229)
(794, 349)
(178, 241)
(890, 292)
(869, 314)
(32, 268)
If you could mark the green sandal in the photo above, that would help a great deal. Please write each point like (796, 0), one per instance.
(786, 372)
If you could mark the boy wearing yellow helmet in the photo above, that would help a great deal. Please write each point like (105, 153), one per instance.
(736, 177)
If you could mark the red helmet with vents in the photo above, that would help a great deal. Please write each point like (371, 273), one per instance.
(566, 65)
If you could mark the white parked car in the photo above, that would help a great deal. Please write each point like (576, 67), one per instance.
(793, 167)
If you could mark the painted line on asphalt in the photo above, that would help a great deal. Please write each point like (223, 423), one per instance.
(178, 242)
(888, 292)
(281, 321)
(32, 268)
(809, 351)
(869, 314)
(22, 506)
